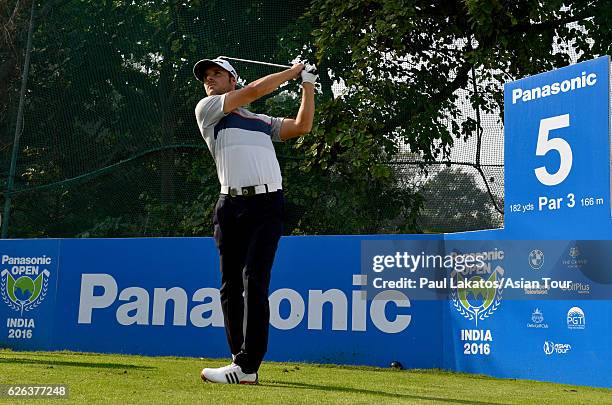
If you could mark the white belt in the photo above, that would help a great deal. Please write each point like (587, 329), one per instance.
(251, 190)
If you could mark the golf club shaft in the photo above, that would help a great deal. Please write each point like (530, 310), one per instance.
(256, 62)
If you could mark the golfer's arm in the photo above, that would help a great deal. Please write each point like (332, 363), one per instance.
(256, 90)
(302, 124)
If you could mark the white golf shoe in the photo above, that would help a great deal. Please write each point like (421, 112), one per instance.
(231, 374)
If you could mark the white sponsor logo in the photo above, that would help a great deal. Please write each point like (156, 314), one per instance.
(536, 259)
(574, 83)
(537, 320)
(537, 290)
(574, 261)
(575, 318)
(135, 308)
(580, 288)
(556, 348)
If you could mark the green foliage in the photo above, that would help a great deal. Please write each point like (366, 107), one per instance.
(405, 65)
(454, 202)
(404, 61)
(111, 81)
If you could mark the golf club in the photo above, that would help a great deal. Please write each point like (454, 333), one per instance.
(256, 62)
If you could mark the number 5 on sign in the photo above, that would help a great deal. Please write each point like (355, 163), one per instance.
(560, 145)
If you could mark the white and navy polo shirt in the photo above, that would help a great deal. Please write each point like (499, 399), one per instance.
(240, 143)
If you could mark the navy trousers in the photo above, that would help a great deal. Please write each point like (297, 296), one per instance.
(247, 230)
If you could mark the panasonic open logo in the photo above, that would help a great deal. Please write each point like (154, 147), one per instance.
(138, 306)
(24, 281)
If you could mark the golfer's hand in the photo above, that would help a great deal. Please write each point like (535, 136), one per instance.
(309, 74)
(296, 69)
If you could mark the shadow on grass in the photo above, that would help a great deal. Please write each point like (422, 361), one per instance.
(16, 360)
(283, 384)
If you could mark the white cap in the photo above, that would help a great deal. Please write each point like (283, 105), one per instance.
(200, 67)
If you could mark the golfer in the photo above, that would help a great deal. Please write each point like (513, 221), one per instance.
(248, 215)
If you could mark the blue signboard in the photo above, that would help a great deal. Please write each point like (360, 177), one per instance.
(557, 153)
(28, 283)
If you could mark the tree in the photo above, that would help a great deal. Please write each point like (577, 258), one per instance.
(406, 64)
(110, 102)
(454, 202)
(403, 61)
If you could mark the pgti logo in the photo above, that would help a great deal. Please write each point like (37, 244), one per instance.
(25, 285)
(476, 298)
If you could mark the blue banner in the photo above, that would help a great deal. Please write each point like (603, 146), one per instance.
(161, 297)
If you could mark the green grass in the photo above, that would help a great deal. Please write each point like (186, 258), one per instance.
(110, 379)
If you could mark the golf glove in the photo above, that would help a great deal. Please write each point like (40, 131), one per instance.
(309, 74)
